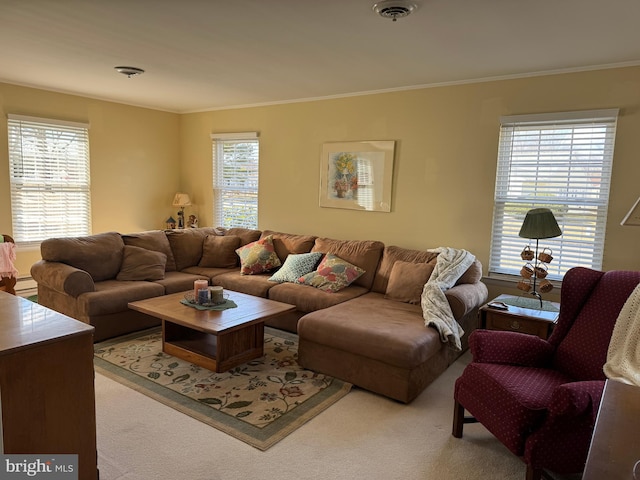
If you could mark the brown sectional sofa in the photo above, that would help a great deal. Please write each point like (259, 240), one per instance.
(358, 334)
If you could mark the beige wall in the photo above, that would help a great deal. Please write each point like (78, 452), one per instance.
(445, 163)
(444, 174)
(134, 160)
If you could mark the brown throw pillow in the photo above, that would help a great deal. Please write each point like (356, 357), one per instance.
(152, 240)
(472, 275)
(220, 252)
(142, 264)
(407, 280)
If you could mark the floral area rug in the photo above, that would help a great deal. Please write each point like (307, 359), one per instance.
(259, 402)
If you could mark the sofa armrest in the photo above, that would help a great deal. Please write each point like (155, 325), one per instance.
(465, 297)
(62, 278)
(577, 398)
(512, 348)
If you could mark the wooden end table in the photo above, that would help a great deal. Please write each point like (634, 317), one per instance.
(518, 319)
(217, 340)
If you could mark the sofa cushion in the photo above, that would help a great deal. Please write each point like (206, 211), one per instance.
(295, 266)
(390, 256)
(220, 251)
(362, 253)
(333, 274)
(257, 284)
(472, 275)
(258, 257)
(99, 255)
(174, 282)
(287, 243)
(407, 280)
(370, 326)
(247, 235)
(309, 299)
(209, 272)
(152, 240)
(186, 245)
(141, 264)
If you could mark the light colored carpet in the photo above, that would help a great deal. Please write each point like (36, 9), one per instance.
(363, 436)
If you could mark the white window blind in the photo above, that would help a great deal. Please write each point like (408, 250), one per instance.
(236, 158)
(50, 180)
(558, 161)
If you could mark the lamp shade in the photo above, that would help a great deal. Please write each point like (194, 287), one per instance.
(181, 200)
(540, 223)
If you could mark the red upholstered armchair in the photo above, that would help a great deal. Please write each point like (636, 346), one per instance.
(540, 397)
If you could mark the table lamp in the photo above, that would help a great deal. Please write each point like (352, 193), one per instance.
(539, 223)
(181, 200)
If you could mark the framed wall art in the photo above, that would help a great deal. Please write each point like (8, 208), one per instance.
(357, 175)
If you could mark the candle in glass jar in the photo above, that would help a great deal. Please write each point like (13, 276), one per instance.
(199, 285)
(203, 296)
(217, 294)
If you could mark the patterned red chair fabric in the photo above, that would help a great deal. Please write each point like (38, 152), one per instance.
(540, 397)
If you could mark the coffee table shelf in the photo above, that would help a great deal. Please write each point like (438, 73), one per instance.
(215, 352)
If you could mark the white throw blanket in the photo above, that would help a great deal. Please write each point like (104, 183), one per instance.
(623, 357)
(450, 265)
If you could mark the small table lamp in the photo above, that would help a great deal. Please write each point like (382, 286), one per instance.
(181, 200)
(539, 223)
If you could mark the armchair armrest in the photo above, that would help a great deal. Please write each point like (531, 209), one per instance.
(62, 278)
(513, 348)
(577, 398)
(465, 297)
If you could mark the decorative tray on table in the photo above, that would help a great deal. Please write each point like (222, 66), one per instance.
(190, 299)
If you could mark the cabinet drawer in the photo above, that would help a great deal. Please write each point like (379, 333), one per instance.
(517, 324)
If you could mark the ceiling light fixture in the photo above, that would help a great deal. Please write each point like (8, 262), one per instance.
(129, 71)
(394, 9)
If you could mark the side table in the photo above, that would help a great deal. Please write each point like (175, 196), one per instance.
(518, 319)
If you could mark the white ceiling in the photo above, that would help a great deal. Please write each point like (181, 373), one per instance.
(210, 54)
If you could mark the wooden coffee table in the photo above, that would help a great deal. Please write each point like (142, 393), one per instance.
(214, 339)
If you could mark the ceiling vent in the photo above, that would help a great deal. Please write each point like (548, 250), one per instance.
(394, 9)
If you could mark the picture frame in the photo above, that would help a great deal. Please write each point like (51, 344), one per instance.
(357, 175)
(633, 216)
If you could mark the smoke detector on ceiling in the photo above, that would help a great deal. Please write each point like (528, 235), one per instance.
(129, 71)
(394, 9)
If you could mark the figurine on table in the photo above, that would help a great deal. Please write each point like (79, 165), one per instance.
(193, 221)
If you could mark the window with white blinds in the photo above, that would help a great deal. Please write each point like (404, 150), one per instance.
(558, 161)
(49, 177)
(236, 158)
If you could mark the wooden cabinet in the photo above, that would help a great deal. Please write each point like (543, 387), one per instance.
(518, 319)
(614, 447)
(47, 391)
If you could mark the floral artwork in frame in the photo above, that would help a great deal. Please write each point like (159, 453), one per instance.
(357, 175)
